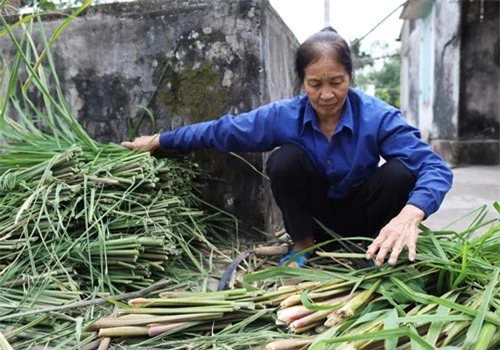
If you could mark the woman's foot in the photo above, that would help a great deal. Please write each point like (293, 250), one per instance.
(301, 259)
(298, 259)
(304, 244)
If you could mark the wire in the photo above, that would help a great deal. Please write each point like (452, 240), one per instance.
(249, 164)
(368, 60)
(357, 41)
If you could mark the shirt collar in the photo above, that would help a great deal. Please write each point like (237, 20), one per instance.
(346, 119)
(309, 116)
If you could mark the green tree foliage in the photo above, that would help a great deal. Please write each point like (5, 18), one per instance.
(387, 80)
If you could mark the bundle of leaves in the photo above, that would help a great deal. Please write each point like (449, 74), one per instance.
(78, 217)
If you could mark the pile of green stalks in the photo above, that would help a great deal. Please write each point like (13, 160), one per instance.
(85, 227)
(449, 298)
(112, 218)
(80, 220)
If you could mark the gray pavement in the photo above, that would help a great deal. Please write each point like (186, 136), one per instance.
(473, 186)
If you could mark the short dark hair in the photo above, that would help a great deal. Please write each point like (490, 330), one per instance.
(313, 48)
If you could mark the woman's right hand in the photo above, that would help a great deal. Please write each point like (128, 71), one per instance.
(143, 143)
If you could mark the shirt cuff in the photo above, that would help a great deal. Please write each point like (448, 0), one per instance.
(167, 140)
(425, 202)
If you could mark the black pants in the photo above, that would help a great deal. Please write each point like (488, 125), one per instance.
(301, 195)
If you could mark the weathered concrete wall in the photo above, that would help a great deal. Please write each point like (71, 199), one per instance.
(463, 122)
(188, 61)
(446, 69)
(446, 78)
(479, 123)
(410, 52)
(276, 49)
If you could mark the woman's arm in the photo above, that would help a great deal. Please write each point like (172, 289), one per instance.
(253, 131)
(398, 140)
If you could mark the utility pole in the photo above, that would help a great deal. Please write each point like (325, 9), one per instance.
(327, 13)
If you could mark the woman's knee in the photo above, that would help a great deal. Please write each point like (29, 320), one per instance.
(398, 175)
(286, 161)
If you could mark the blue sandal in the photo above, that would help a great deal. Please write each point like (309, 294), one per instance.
(300, 261)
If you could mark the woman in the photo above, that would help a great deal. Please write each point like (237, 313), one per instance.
(327, 165)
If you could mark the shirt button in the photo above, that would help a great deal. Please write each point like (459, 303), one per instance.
(329, 162)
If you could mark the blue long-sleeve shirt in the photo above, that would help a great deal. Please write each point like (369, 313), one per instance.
(368, 128)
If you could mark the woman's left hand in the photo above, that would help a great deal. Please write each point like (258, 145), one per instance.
(143, 143)
(401, 231)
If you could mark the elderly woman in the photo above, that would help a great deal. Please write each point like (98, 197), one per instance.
(330, 142)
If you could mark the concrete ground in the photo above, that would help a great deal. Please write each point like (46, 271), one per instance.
(473, 186)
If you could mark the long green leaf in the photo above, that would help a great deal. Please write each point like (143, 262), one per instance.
(54, 37)
(22, 21)
(428, 299)
(437, 325)
(391, 322)
(476, 326)
(383, 335)
(486, 337)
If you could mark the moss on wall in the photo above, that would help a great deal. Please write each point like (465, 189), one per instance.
(194, 93)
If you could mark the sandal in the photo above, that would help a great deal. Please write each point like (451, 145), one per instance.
(299, 261)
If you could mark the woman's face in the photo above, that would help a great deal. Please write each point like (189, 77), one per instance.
(326, 83)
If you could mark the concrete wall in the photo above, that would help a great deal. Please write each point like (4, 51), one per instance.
(437, 114)
(279, 46)
(410, 52)
(188, 61)
(446, 78)
(446, 69)
(461, 119)
(479, 122)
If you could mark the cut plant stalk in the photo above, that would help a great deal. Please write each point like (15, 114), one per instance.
(289, 344)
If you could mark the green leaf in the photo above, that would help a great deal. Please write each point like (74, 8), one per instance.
(17, 24)
(486, 337)
(464, 271)
(475, 328)
(391, 334)
(496, 205)
(434, 318)
(319, 343)
(430, 299)
(276, 272)
(391, 322)
(371, 316)
(47, 5)
(437, 325)
(310, 305)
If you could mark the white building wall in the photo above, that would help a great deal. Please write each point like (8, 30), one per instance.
(430, 82)
(426, 75)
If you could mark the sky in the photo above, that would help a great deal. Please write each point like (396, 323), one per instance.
(351, 18)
